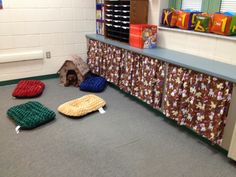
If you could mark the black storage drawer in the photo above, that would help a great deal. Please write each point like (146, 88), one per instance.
(124, 23)
(124, 18)
(116, 22)
(117, 7)
(124, 29)
(117, 12)
(125, 12)
(125, 7)
(116, 17)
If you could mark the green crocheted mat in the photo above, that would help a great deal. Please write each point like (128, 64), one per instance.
(30, 115)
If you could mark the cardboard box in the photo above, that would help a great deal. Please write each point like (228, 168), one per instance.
(143, 36)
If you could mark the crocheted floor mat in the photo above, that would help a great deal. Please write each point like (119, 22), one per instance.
(30, 115)
(93, 84)
(28, 89)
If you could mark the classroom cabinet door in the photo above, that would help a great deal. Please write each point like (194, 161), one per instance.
(198, 101)
(95, 56)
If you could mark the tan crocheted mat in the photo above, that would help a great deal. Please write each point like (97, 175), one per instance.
(81, 106)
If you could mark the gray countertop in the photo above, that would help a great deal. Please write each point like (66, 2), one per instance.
(200, 64)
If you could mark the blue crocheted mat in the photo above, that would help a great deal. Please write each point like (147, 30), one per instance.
(93, 84)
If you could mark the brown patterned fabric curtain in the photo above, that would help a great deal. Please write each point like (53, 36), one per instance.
(126, 70)
(112, 60)
(95, 56)
(198, 101)
(104, 60)
(101, 60)
(147, 80)
(159, 84)
(195, 100)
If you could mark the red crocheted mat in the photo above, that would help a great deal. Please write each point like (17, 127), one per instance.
(28, 89)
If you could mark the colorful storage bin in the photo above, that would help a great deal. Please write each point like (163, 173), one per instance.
(221, 24)
(224, 24)
(233, 26)
(169, 17)
(143, 36)
(203, 23)
(186, 20)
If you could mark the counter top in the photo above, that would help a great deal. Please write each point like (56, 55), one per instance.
(200, 64)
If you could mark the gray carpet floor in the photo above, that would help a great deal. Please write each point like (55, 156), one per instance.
(128, 141)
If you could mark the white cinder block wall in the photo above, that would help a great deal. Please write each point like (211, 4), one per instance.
(58, 26)
(209, 47)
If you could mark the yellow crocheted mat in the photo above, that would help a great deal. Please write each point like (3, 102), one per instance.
(81, 106)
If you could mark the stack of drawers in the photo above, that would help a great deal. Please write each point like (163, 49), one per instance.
(120, 13)
(118, 20)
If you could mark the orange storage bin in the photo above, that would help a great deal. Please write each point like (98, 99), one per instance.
(143, 36)
(221, 24)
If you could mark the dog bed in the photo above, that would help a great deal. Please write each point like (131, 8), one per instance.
(28, 89)
(30, 115)
(93, 84)
(81, 106)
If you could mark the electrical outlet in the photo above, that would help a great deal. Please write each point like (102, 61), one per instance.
(48, 55)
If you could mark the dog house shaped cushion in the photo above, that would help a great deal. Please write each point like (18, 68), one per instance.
(28, 89)
(73, 71)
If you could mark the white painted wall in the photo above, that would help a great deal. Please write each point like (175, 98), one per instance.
(210, 47)
(58, 26)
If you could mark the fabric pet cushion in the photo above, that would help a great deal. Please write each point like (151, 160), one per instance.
(81, 106)
(93, 84)
(28, 89)
(30, 115)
